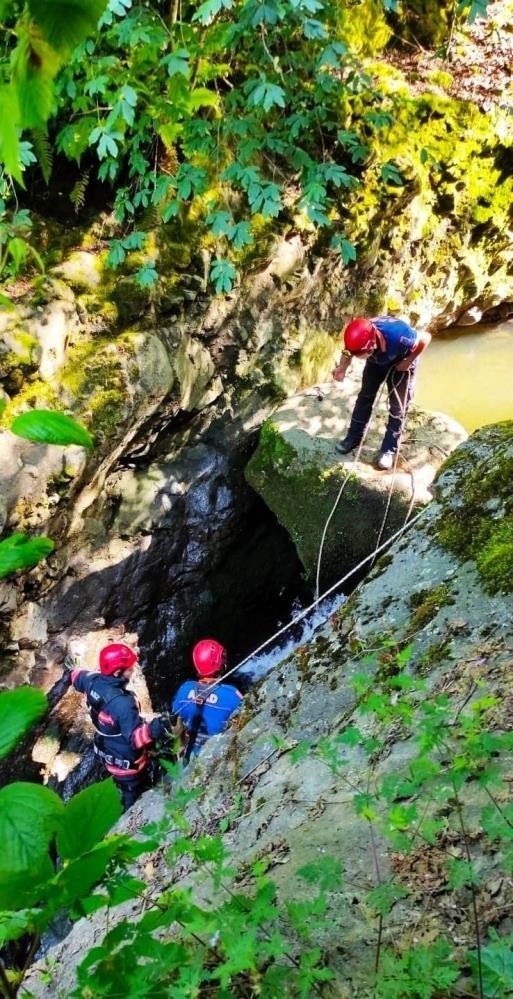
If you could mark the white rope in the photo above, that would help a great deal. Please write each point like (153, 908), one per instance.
(356, 457)
(403, 409)
(323, 596)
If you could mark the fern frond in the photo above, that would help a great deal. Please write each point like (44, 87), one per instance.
(78, 193)
(43, 151)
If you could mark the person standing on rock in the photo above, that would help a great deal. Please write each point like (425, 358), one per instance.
(122, 737)
(390, 348)
(205, 706)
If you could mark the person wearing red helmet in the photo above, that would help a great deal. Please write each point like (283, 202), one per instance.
(205, 706)
(390, 348)
(121, 736)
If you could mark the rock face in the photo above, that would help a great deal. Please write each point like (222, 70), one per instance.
(299, 475)
(427, 636)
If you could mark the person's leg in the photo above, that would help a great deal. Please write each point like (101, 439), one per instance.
(130, 788)
(373, 377)
(400, 386)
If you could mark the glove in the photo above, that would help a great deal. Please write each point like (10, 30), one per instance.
(69, 664)
(160, 729)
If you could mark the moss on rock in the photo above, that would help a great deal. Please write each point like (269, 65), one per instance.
(477, 496)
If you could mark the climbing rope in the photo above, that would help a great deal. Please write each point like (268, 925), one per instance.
(403, 408)
(317, 601)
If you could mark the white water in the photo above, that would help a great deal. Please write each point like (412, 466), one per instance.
(296, 635)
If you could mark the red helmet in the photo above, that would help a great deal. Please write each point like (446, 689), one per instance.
(116, 656)
(359, 335)
(208, 656)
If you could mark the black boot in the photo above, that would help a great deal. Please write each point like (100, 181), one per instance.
(347, 445)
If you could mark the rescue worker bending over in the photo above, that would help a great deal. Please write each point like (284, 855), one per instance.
(122, 737)
(205, 706)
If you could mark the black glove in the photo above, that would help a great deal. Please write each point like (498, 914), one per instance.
(160, 729)
(70, 663)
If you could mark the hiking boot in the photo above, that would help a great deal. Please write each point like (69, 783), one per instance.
(386, 461)
(347, 445)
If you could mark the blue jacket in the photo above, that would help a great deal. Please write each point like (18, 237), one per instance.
(121, 735)
(400, 339)
(212, 714)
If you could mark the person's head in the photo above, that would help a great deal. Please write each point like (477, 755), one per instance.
(360, 337)
(117, 660)
(208, 657)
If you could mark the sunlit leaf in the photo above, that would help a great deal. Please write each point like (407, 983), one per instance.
(20, 552)
(19, 709)
(48, 427)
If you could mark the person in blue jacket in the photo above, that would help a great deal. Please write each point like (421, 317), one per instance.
(204, 706)
(122, 737)
(391, 348)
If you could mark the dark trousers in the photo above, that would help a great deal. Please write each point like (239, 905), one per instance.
(131, 787)
(400, 385)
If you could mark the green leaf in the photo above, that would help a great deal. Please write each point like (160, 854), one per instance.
(346, 249)
(147, 276)
(20, 552)
(267, 95)
(177, 63)
(46, 426)
(79, 875)
(384, 896)
(390, 174)
(240, 235)
(29, 818)
(223, 274)
(19, 709)
(314, 29)
(65, 23)
(87, 818)
(209, 10)
(473, 9)
(496, 966)
(9, 134)
(17, 249)
(326, 873)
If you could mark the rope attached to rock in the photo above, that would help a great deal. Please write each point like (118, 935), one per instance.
(318, 600)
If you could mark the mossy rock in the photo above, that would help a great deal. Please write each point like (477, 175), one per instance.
(298, 474)
(477, 506)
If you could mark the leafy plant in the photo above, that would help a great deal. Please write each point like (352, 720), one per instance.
(21, 552)
(46, 426)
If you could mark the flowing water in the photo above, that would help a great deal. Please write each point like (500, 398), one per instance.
(466, 373)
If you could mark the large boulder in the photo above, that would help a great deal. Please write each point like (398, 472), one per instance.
(298, 473)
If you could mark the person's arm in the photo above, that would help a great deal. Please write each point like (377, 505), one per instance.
(423, 341)
(339, 373)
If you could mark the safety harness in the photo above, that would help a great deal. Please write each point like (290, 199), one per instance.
(96, 703)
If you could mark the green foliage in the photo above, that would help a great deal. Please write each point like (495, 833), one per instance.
(88, 817)
(422, 973)
(497, 966)
(45, 32)
(45, 426)
(20, 552)
(19, 709)
(29, 818)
